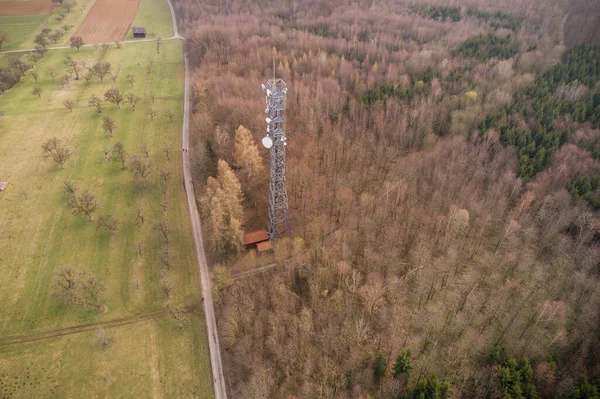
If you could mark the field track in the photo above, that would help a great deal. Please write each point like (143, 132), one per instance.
(30, 7)
(108, 21)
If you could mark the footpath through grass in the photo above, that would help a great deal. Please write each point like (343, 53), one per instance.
(39, 234)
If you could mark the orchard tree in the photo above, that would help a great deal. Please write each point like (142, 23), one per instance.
(101, 70)
(140, 168)
(35, 76)
(151, 113)
(5, 38)
(76, 42)
(131, 79)
(96, 102)
(109, 125)
(108, 223)
(73, 66)
(55, 150)
(132, 100)
(83, 204)
(114, 96)
(119, 154)
(68, 103)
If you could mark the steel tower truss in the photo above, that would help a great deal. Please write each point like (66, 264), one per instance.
(276, 91)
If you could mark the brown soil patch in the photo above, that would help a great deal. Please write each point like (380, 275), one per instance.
(107, 21)
(31, 7)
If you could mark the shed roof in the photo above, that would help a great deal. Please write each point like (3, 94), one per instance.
(264, 246)
(138, 29)
(256, 236)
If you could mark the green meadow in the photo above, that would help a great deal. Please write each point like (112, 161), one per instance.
(39, 233)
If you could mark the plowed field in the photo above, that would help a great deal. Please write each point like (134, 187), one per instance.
(31, 7)
(107, 21)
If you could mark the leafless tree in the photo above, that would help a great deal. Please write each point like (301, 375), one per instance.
(37, 91)
(68, 103)
(69, 187)
(108, 223)
(114, 96)
(83, 204)
(4, 38)
(167, 151)
(66, 284)
(119, 154)
(52, 73)
(101, 70)
(178, 314)
(163, 229)
(59, 153)
(35, 76)
(132, 100)
(131, 79)
(140, 215)
(140, 168)
(96, 102)
(151, 113)
(73, 66)
(76, 42)
(169, 114)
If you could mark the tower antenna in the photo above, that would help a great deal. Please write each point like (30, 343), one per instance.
(275, 142)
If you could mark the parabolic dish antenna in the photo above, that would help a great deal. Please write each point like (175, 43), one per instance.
(267, 142)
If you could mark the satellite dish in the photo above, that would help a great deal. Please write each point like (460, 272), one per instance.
(267, 142)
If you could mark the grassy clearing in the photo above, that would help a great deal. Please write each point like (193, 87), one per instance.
(155, 16)
(39, 233)
(25, 28)
(160, 367)
(21, 28)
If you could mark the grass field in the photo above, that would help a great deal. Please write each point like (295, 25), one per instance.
(24, 29)
(155, 16)
(39, 235)
(20, 28)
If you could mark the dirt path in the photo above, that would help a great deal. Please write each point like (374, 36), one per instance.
(19, 339)
(209, 309)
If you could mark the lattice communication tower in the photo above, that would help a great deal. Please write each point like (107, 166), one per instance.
(275, 141)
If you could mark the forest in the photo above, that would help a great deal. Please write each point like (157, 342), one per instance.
(442, 173)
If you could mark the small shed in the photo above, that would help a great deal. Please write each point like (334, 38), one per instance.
(264, 247)
(252, 239)
(3, 185)
(139, 31)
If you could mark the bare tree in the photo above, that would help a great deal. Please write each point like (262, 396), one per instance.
(76, 42)
(101, 70)
(151, 113)
(163, 229)
(169, 114)
(83, 204)
(152, 97)
(37, 91)
(140, 168)
(131, 79)
(132, 100)
(93, 290)
(114, 96)
(96, 102)
(166, 286)
(4, 38)
(178, 314)
(73, 66)
(109, 125)
(167, 151)
(21, 65)
(108, 223)
(119, 154)
(69, 187)
(59, 153)
(35, 76)
(140, 215)
(118, 44)
(52, 73)
(66, 284)
(68, 103)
